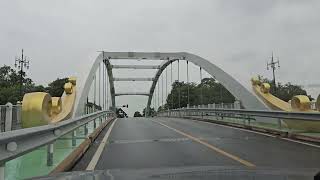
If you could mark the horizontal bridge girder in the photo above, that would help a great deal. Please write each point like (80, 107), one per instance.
(133, 93)
(136, 66)
(143, 55)
(133, 79)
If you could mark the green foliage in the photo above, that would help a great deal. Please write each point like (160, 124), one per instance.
(137, 114)
(55, 88)
(151, 112)
(207, 92)
(10, 86)
(285, 91)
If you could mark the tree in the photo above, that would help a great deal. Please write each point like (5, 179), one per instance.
(10, 86)
(207, 92)
(285, 91)
(151, 112)
(137, 114)
(55, 88)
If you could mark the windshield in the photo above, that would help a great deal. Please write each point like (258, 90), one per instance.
(159, 89)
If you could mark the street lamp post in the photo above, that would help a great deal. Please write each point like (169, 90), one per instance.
(20, 63)
(273, 64)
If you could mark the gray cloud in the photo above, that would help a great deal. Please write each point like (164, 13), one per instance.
(62, 37)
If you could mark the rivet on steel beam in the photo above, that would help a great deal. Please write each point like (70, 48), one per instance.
(57, 132)
(12, 146)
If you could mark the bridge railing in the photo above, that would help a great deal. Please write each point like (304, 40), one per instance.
(300, 125)
(16, 143)
(10, 117)
(241, 112)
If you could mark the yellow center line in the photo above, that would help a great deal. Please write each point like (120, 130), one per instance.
(231, 156)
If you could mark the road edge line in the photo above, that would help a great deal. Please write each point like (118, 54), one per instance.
(97, 154)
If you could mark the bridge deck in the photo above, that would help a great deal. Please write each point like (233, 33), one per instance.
(169, 142)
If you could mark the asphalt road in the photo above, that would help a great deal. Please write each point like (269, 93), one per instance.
(136, 143)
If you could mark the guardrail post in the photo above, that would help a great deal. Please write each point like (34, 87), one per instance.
(8, 122)
(86, 129)
(94, 124)
(2, 171)
(50, 154)
(19, 114)
(279, 124)
(74, 140)
(236, 104)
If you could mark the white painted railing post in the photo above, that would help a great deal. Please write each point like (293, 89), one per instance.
(8, 122)
(2, 170)
(19, 114)
(237, 104)
(74, 138)
(50, 154)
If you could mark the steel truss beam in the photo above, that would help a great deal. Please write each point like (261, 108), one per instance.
(133, 93)
(135, 66)
(133, 79)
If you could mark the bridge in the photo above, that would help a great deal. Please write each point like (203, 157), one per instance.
(256, 136)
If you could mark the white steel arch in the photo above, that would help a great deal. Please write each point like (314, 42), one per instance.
(247, 99)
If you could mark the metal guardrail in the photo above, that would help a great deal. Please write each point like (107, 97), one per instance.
(16, 143)
(310, 116)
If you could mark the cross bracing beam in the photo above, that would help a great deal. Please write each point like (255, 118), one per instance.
(136, 66)
(133, 93)
(143, 55)
(133, 79)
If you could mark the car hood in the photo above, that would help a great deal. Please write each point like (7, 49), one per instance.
(190, 172)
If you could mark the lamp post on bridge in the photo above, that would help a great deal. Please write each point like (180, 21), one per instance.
(19, 64)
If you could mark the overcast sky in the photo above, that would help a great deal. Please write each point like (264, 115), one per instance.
(62, 37)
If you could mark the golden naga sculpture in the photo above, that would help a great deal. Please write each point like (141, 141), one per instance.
(299, 103)
(39, 108)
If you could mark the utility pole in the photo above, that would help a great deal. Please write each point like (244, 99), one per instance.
(20, 63)
(273, 64)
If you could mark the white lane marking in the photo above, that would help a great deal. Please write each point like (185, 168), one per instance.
(301, 142)
(98, 153)
(210, 146)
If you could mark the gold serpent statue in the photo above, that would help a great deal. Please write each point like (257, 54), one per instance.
(298, 103)
(39, 108)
